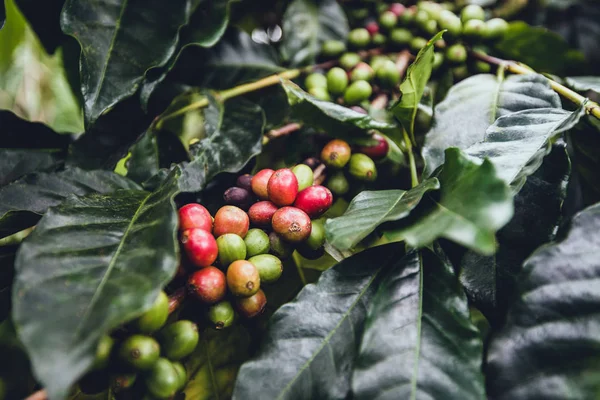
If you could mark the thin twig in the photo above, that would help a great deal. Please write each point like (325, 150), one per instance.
(403, 61)
(319, 175)
(284, 130)
(176, 299)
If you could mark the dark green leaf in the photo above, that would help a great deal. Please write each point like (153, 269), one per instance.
(23, 201)
(144, 162)
(585, 143)
(549, 346)
(418, 340)
(17, 163)
(120, 41)
(369, 209)
(471, 106)
(17, 133)
(91, 264)
(233, 136)
(213, 367)
(311, 343)
(306, 25)
(540, 49)
(517, 143)
(474, 203)
(336, 120)
(44, 18)
(584, 83)
(412, 88)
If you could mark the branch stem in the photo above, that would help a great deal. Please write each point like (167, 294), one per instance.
(414, 179)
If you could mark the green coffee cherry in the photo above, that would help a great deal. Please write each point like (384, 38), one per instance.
(103, 351)
(316, 240)
(362, 168)
(315, 80)
(337, 80)
(231, 248)
(401, 37)
(181, 374)
(376, 61)
(162, 380)
(421, 18)
(357, 92)
(474, 29)
(460, 72)
(333, 48)
(495, 28)
(359, 38)
(362, 72)
(280, 247)
(257, 242)
(418, 43)
(388, 20)
(388, 74)
(379, 39)
(482, 67)
(221, 315)
(320, 93)
(154, 319)
(450, 21)
(348, 61)
(438, 60)
(269, 267)
(456, 54)
(472, 11)
(407, 17)
(139, 352)
(338, 184)
(360, 13)
(431, 27)
(305, 176)
(178, 339)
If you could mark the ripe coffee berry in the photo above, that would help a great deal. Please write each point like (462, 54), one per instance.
(194, 215)
(200, 247)
(397, 8)
(260, 182)
(292, 224)
(336, 153)
(283, 187)
(372, 27)
(314, 200)
(252, 306)
(262, 212)
(231, 219)
(243, 278)
(245, 182)
(207, 285)
(377, 151)
(238, 197)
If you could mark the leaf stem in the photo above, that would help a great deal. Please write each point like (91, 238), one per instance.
(517, 68)
(414, 179)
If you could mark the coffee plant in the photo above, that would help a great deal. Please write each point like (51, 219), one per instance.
(304, 199)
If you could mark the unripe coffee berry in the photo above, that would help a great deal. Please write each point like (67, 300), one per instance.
(245, 182)
(456, 54)
(362, 168)
(139, 352)
(292, 224)
(269, 267)
(460, 72)
(474, 29)
(262, 212)
(388, 20)
(482, 67)
(154, 319)
(416, 44)
(221, 315)
(238, 197)
(179, 339)
(495, 28)
(408, 16)
(250, 307)
(336, 154)
(315, 80)
(304, 175)
(231, 248)
(357, 92)
(379, 39)
(280, 247)
(320, 94)
(421, 18)
(314, 200)
(231, 219)
(337, 80)
(257, 242)
(162, 381)
(103, 352)
(362, 72)
(316, 240)
(333, 48)
(377, 151)
(450, 21)
(438, 60)
(373, 28)
(388, 74)
(208, 285)
(338, 184)
(194, 215)
(348, 61)
(401, 37)
(260, 181)
(472, 11)
(200, 247)
(431, 27)
(181, 373)
(282, 187)
(243, 278)
(359, 38)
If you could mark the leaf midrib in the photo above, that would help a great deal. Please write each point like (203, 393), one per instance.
(413, 384)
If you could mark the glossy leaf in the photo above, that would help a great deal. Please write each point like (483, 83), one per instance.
(551, 335)
(370, 209)
(517, 143)
(233, 136)
(25, 200)
(472, 106)
(18, 133)
(584, 140)
(104, 259)
(306, 25)
(144, 161)
(418, 340)
(16, 163)
(474, 203)
(336, 120)
(120, 41)
(584, 83)
(311, 343)
(413, 87)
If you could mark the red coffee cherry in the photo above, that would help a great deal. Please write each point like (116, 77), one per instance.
(208, 285)
(292, 224)
(372, 27)
(260, 182)
(397, 8)
(314, 200)
(377, 151)
(231, 219)
(283, 187)
(250, 307)
(200, 247)
(195, 215)
(262, 212)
